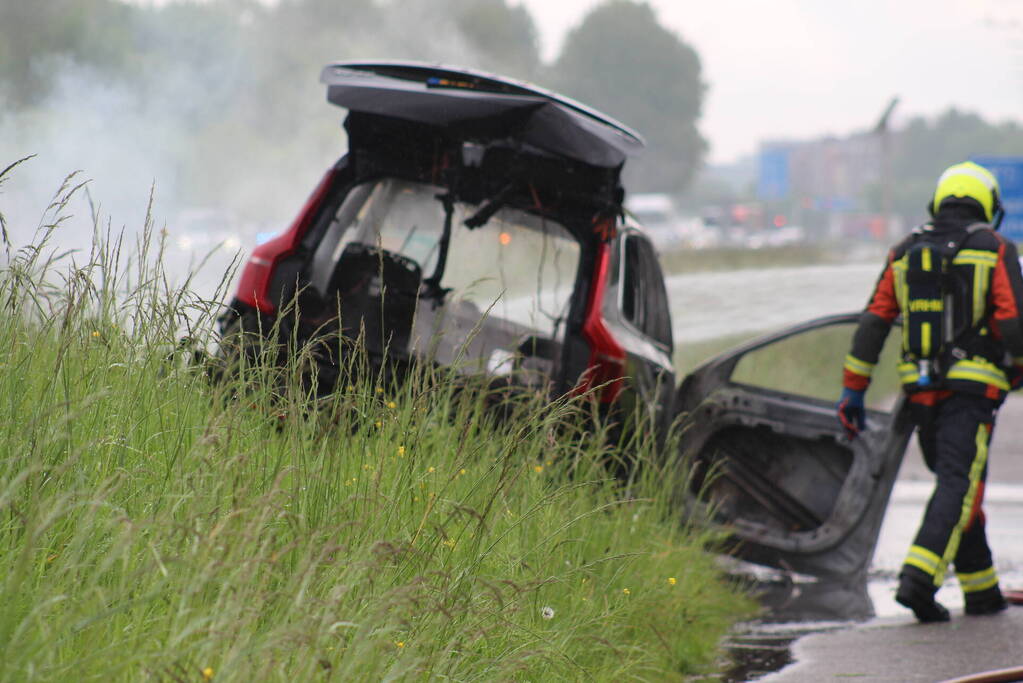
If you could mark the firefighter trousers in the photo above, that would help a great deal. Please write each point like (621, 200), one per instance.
(954, 435)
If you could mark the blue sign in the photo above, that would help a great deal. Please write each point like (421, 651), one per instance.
(1009, 171)
(773, 181)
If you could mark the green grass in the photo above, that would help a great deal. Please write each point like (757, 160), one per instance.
(156, 525)
(690, 355)
(687, 260)
(809, 364)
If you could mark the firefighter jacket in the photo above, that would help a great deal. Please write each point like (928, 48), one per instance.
(985, 363)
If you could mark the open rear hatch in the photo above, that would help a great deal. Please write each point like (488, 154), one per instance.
(478, 106)
(462, 227)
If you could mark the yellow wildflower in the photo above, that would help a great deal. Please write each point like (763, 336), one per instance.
(672, 581)
(380, 390)
(450, 543)
(207, 673)
(538, 468)
(401, 451)
(95, 333)
(379, 424)
(461, 472)
(626, 591)
(392, 405)
(430, 470)
(399, 644)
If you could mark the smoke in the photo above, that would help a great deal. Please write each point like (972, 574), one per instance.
(216, 110)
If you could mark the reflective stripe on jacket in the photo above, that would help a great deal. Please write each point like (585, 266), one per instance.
(990, 265)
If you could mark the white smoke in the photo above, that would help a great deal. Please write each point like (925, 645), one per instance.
(232, 130)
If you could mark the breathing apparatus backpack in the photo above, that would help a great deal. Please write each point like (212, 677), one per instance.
(938, 318)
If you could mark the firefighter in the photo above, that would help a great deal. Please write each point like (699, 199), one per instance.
(957, 284)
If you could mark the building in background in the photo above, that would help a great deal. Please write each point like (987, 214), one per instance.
(869, 187)
(830, 186)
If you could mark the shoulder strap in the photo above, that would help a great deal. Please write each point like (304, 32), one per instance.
(967, 338)
(956, 244)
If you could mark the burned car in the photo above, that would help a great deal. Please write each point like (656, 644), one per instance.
(773, 464)
(477, 223)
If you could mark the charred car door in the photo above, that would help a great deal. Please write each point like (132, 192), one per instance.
(771, 462)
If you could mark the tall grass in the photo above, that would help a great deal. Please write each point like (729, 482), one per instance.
(154, 524)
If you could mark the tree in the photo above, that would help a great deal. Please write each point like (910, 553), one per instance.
(623, 62)
(925, 147)
(93, 33)
(503, 37)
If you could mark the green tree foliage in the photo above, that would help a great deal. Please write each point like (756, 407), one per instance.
(926, 146)
(32, 34)
(622, 61)
(504, 37)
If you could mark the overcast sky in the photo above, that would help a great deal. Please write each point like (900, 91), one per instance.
(799, 68)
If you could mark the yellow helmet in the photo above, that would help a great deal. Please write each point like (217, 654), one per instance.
(969, 181)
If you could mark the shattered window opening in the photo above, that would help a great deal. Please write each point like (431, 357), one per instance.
(644, 301)
(519, 265)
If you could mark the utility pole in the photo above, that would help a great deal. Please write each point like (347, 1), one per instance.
(883, 131)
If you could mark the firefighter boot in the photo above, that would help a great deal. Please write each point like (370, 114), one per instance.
(989, 601)
(919, 597)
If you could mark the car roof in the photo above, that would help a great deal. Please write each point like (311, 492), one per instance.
(446, 97)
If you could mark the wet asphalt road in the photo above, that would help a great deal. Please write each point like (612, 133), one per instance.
(892, 646)
(896, 650)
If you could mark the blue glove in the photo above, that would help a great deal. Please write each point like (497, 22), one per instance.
(851, 412)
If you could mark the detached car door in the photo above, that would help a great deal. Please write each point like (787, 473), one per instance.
(770, 461)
